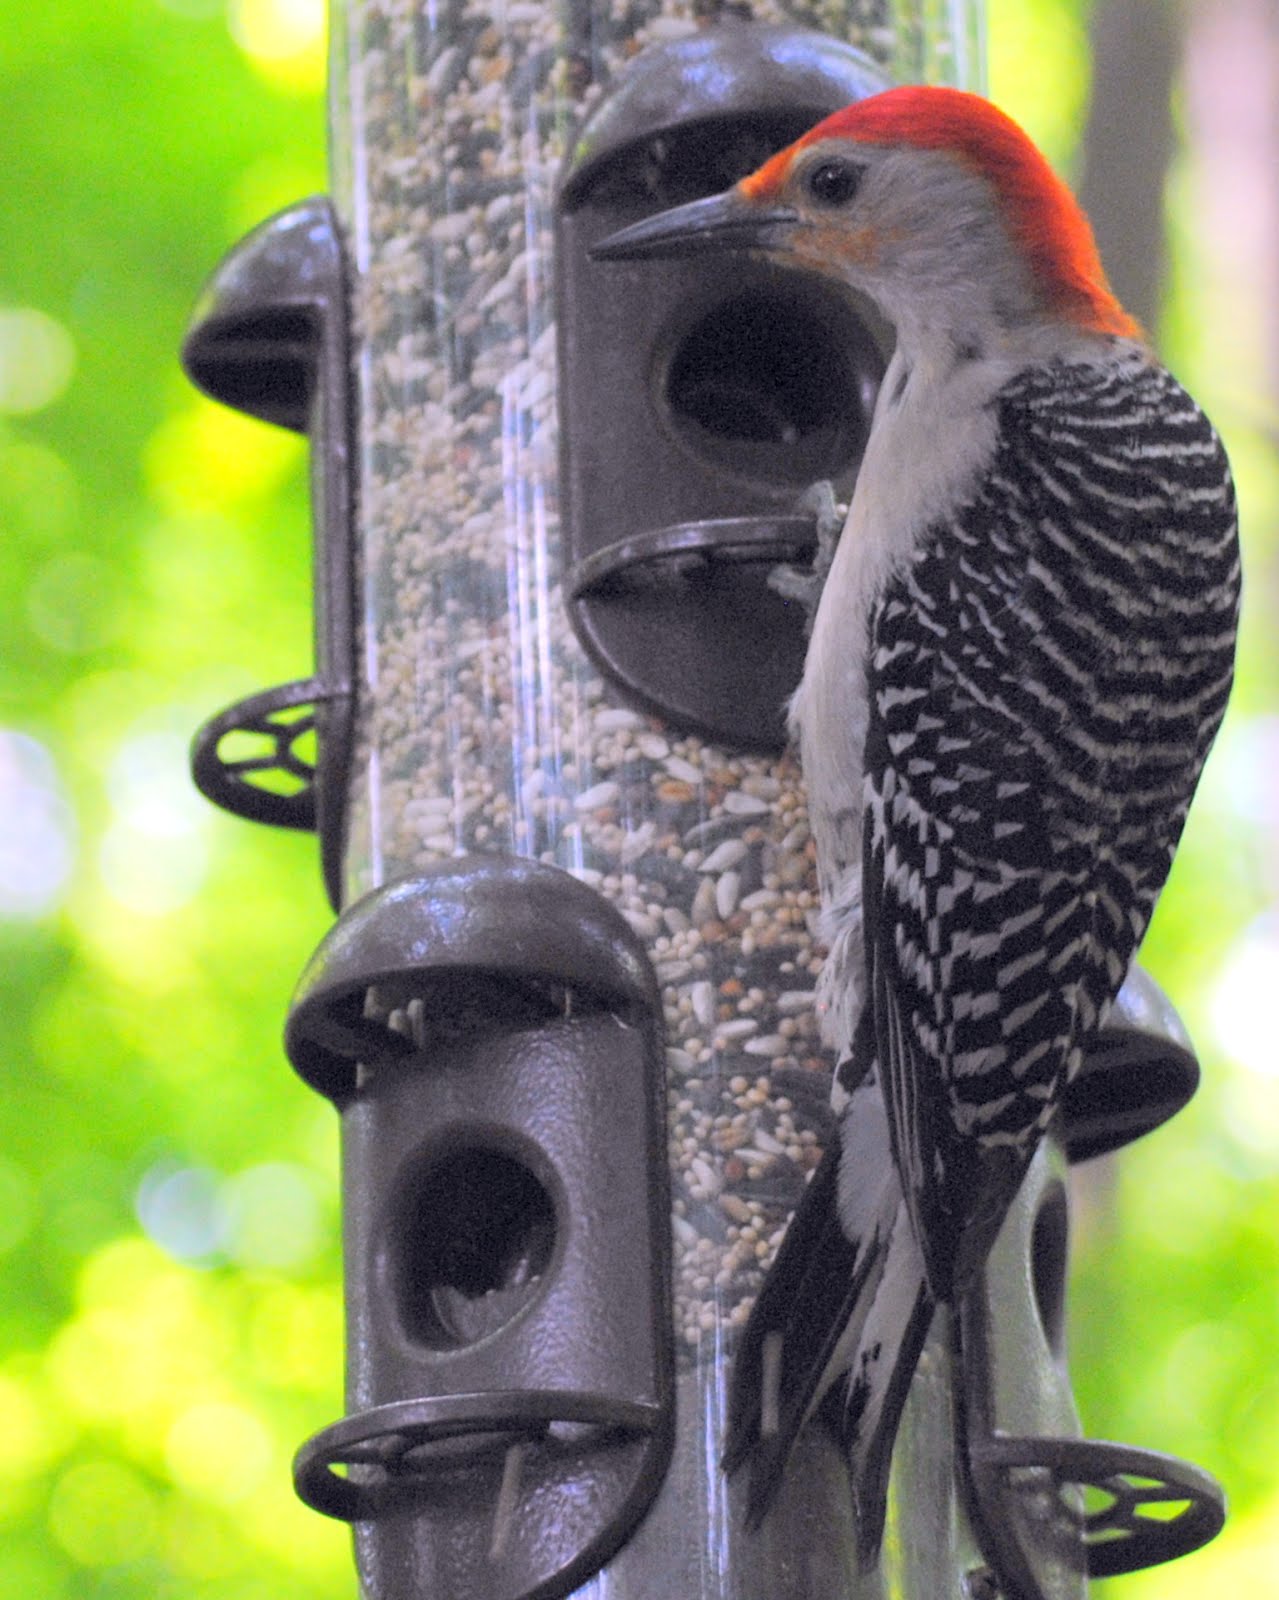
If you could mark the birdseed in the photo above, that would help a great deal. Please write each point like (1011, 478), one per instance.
(483, 726)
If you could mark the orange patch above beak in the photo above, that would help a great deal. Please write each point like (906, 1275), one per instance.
(765, 182)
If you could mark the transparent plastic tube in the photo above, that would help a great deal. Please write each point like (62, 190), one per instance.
(483, 726)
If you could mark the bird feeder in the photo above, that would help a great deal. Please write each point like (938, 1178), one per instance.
(696, 405)
(565, 1014)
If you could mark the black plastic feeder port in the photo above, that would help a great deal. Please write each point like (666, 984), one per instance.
(490, 1032)
(700, 398)
(269, 337)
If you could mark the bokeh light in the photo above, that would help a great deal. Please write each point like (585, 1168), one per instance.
(284, 39)
(29, 1436)
(154, 852)
(35, 828)
(218, 1450)
(270, 1216)
(1243, 1021)
(102, 1514)
(1243, 776)
(37, 360)
(1243, 999)
(178, 1207)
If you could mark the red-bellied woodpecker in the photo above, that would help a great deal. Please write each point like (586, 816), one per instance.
(1019, 660)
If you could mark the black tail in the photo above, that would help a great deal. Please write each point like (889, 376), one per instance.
(844, 1302)
(888, 1351)
(814, 1268)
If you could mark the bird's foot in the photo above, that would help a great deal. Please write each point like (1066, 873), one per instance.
(805, 586)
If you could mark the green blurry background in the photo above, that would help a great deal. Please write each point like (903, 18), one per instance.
(170, 1320)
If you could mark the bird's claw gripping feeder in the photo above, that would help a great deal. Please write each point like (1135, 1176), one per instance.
(566, 1011)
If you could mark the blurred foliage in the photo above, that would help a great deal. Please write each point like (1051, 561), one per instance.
(170, 1317)
(169, 1303)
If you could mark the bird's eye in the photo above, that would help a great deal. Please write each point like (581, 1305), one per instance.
(834, 183)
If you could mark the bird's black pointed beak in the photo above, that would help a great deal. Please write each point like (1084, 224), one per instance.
(723, 221)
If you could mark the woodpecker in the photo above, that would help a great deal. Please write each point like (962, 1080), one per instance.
(1019, 659)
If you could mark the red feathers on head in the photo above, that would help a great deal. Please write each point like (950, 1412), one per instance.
(1043, 216)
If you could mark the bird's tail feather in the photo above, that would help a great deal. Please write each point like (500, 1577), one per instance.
(888, 1351)
(779, 1374)
(795, 1274)
(846, 1271)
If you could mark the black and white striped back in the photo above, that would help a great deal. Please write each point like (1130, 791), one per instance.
(1045, 680)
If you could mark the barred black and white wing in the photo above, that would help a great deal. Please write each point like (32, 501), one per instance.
(1045, 681)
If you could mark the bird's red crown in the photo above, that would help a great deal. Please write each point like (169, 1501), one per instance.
(1044, 217)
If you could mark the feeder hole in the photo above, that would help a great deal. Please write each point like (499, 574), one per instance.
(768, 385)
(470, 1240)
